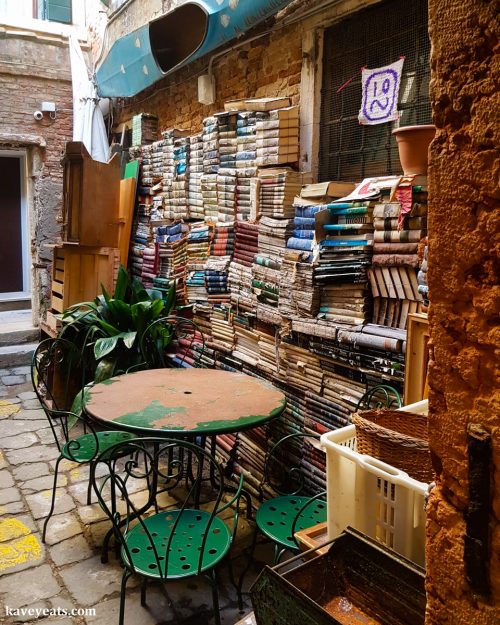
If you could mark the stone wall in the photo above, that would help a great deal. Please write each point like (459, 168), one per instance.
(463, 280)
(35, 68)
(269, 66)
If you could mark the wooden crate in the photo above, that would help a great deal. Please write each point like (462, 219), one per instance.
(312, 538)
(78, 272)
(417, 358)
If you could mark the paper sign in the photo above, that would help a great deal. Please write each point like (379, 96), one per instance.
(380, 94)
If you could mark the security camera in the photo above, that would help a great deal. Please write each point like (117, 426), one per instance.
(38, 115)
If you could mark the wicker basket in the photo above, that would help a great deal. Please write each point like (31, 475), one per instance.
(397, 438)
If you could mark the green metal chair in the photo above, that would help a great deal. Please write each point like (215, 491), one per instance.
(380, 396)
(57, 376)
(292, 508)
(165, 544)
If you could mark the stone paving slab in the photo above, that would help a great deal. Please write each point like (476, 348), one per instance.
(66, 573)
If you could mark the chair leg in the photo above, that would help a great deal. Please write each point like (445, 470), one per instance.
(125, 576)
(213, 579)
(89, 488)
(53, 502)
(239, 587)
(144, 586)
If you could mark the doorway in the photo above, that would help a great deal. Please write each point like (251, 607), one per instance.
(15, 261)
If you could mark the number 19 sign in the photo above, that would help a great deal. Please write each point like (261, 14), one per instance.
(380, 94)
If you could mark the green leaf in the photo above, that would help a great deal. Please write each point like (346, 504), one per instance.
(129, 338)
(105, 370)
(120, 314)
(122, 284)
(105, 294)
(139, 293)
(105, 346)
(156, 308)
(170, 303)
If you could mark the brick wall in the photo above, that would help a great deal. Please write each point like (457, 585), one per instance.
(267, 67)
(463, 281)
(32, 70)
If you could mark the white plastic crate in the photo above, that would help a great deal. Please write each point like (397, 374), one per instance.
(373, 497)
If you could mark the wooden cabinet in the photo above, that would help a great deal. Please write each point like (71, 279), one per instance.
(91, 198)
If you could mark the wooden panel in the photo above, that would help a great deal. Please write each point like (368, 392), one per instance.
(417, 358)
(126, 214)
(91, 198)
(81, 271)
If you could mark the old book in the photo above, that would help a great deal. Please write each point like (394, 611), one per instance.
(389, 210)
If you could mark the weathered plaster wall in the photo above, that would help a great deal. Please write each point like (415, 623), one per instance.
(35, 68)
(465, 294)
(269, 66)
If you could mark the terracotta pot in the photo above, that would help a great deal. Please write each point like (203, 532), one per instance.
(413, 146)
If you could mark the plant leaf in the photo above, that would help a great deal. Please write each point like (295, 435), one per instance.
(105, 369)
(105, 294)
(105, 346)
(122, 284)
(129, 338)
(171, 297)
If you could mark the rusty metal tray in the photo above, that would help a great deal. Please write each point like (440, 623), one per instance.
(357, 582)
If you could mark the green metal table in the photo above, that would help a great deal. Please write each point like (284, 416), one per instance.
(185, 402)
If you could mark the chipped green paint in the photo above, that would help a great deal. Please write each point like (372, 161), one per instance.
(150, 415)
(110, 381)
(239, 424)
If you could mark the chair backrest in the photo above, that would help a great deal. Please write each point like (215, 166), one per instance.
(143, 475)
(57, 375)
(285, 471)
(380, 396)
(172, 342)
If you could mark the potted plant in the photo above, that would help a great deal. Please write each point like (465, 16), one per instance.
(108, 330)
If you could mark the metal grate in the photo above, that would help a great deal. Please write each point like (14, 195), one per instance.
(374, 37)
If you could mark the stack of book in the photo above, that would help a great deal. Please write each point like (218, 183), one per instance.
(198, 244)
(278, 188)
(246, 132)
(228, 143)
(299, 296)
(278, 137)
(273, 235)
(246, 242)
(267, 348)
(300, 368)
(302, 239)
(222, 329)
(169, 174)
(195, 173)
(226, 195)
(223, 241)
(400, 222)
(180, 184)
(216, 269)
(144, 129)
(266, 280)
(345, 255)
(209, 194)
(211, 155)
(246, 340)
(244, 193)
(195, 286)
(240, 286)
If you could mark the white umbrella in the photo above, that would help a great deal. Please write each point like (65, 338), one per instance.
(88, 121)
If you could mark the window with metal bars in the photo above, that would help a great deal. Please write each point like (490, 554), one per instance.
(374, 37)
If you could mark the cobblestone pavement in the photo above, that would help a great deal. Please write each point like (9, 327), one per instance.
(66, 573)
